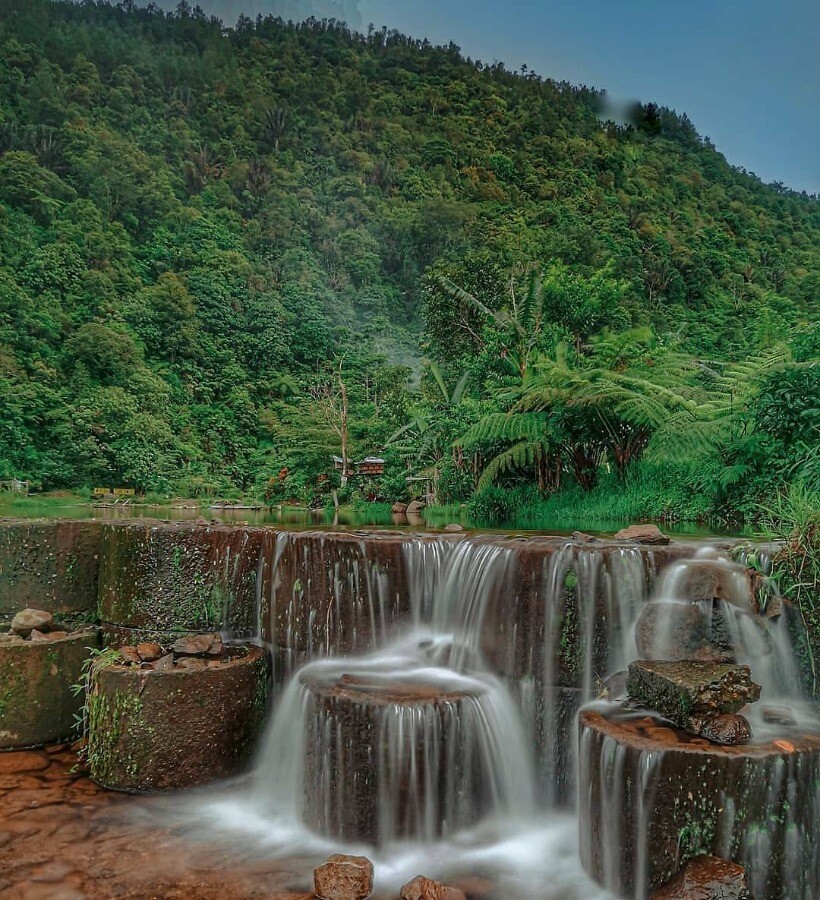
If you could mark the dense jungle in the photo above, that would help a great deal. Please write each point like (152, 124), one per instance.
(229, 254)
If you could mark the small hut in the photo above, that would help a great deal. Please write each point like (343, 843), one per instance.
(370, 467)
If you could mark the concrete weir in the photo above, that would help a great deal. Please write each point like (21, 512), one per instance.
(429, 686)
(653, 797)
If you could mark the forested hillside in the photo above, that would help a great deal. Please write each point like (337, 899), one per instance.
(206, 232)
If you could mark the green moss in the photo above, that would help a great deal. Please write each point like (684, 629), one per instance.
(110, 719)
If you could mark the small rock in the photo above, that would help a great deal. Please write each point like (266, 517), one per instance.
(727, 729)
(706, 878)
(37, 636)
(344, 878)
(201, 520)
(454, 526)
(56, 635)
(191, 662)
(421, 888)
(149, 651)
(582, 537)
(28, 619)
(129, 655)
(164, 662)
(779, 715)
(196, 644)
(217, 648)
(642, 534)
(614, 687)
(399, 508)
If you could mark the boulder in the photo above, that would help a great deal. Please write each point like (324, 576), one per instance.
(344, 878)
(415, 507)
(642, 534)
(696, 696)
(723, 728)
(421, 888)
(454, 526)
(28, 620)
(706, 878)
(678, 630)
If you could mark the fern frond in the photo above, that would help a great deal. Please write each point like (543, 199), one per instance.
(505, 427)
(519, 456)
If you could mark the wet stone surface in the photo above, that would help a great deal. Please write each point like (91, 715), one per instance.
(37, 700)
(706, 878)
(703, 698)
(64, 838)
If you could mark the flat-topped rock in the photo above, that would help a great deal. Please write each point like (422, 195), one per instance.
(37, 702)
(691, 694)
(376, 757)
(156, 728)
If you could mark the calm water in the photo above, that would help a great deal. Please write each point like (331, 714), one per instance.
(377, 516)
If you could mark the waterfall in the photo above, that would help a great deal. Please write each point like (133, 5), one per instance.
(417, 740)
(429, 694)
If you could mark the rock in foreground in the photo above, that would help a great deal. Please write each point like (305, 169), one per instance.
(421, 888)
(702, 698)
(706, 878)
(344, 878)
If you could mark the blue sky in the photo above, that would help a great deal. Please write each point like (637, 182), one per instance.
(747, 72)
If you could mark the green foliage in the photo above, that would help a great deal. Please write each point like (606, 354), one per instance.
(793, 517)
(198, 224)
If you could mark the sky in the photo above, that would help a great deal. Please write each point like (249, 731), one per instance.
(747, 72)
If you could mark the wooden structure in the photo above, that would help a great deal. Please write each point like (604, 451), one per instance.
(369, 467)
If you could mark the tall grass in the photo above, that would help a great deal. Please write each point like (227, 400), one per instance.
(794, 518)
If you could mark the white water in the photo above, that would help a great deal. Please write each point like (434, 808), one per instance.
(505, 736)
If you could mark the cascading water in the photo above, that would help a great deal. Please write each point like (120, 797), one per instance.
(415, 741)
(428, 718)
(652, 797)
